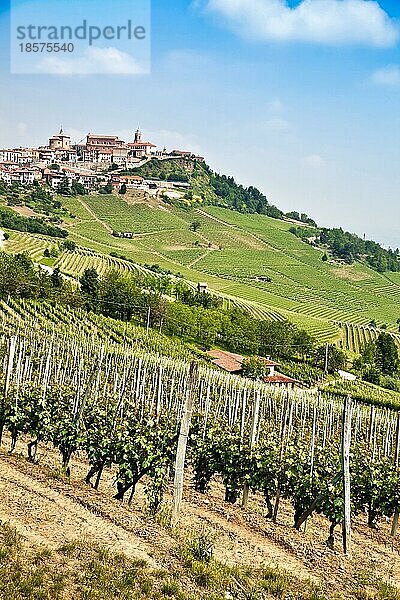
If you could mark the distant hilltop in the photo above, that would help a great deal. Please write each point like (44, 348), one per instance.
(95, 151)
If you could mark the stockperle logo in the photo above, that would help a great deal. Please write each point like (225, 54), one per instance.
(89, 38)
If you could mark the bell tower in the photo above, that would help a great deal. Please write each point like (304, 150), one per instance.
(138, 136)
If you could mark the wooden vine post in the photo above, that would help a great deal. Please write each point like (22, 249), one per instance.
(182, 441)
(395, 522)
(346, 441)
(10, 363)
(253, 436)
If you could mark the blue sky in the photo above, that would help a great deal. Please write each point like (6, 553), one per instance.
(301, 99)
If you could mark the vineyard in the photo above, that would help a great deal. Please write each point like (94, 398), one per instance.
(252, 261)
(122, 407)
(21, 315)
(355, 337)
(248, 258)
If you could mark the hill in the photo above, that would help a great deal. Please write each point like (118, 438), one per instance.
(252, 260)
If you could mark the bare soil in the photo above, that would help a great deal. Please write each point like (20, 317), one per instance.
(25, 211)
(50, 510)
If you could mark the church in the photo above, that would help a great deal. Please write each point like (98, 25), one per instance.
(139, 148)
(61, 141)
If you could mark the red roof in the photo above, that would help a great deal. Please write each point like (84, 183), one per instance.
(228, 361)
(138, 144)
(279, 378)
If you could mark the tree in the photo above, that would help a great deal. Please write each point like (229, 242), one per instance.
(56, 278)
(78, 189)
(107, 189)
(123, 189)
(69, 245)
(255, 367)
(387, 356)
(372, 374)
(64, 188)
(325, 257)
(195, 225)
(119, 295)
(90, 285)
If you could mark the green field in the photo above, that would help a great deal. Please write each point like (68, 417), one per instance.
(252, 260)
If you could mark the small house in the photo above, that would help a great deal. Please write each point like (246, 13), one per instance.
(233, 363)
(202, 287)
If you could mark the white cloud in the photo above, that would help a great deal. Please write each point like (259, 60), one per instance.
(319, 21)
(389, 75)
(93, 61)
(275, 106)
(314, 160)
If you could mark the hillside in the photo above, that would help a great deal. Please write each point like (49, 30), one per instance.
(89, 398)
(76, 538)
(252, 260)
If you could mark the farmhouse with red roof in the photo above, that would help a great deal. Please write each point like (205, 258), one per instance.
(233, 363)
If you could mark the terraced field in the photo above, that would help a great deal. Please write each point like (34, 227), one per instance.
(75, 263)
(356, 336)
(34, 245)
(251, 260)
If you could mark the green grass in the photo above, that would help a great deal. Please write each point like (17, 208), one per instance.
(86, 571)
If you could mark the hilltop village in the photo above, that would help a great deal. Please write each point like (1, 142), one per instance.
(93, 163)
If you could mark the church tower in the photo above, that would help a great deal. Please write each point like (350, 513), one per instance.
(138, 136)
(60, 141)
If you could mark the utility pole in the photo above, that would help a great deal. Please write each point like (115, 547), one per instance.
(148, 320)
(326, 357)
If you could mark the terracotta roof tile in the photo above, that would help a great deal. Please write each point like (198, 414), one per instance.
(280, 378)
(227, 360)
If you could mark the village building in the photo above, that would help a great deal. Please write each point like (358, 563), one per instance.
(61, 141)
(103, 142)
(47, 156)
(19, 175)
(132, 181)
(120, 156)
(138, 148)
